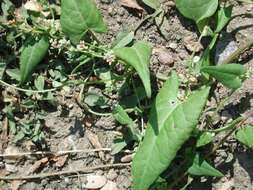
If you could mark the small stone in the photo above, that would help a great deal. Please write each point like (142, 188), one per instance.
(94, 182)
(173, 46)
(11, 168)
(165, 57)
(225, 116)
(127, 158)
(112, 174)
(110, 186)
(192, 45)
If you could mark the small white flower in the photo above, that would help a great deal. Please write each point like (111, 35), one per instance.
(109, 57)
(82, 46)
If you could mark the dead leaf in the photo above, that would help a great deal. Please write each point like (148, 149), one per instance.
(60, 160)
(33, 5)
(93, 138)
(94, 182)
(131, 4)
(15, 185)
(38, 165)
(110, 186)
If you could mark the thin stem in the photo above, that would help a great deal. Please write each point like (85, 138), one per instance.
(147, 18)
(67, 172)
(230, 125)
(77, 82)
(58, 153)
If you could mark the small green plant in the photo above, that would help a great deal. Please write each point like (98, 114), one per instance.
(45, 51)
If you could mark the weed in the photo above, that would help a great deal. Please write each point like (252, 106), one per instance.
(44, 50)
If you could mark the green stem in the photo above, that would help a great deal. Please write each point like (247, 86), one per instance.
(76, 82)
(147, 18)
(230, 125)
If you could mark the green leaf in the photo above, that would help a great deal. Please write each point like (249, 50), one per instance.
(170, 125)
(204, 139)
(154, 4)
(201, 167)
(118, 145)
(79, 17)
(245, 135)
(93, 99)
(14, 74)
(197, 10)
(121, 116)
(230, 75)
(224, 16)
(123, 39)
(132, 100)
(138, 56)
(32, 54)
(40, 83)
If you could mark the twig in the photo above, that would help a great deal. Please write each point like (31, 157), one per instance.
(237, 53)
(53, 174)
(54, 153)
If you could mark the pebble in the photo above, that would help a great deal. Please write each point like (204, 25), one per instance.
(165, 57)
(173, 46)
(225, 116)
(94, 182)
(191, 44)
(112, 174)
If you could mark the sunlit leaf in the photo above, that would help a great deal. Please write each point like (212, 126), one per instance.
(245, 135)
(230, 75)
(201, 167)
(32, 54)
(79, 17)
(138, 56)
(197, 10)
(170, 125)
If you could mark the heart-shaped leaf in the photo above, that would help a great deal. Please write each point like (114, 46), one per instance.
(245, 135)
(204, 138)
(197, 10)
(80, 16)
(123, 39)
(224, 16)
(32, 54)
(230, 75)
(201, 167)
(170, 125)
(138, 56)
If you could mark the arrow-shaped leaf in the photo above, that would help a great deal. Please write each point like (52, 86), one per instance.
(245, 135)
(171, 124)
(79, 16)
(230, 75)
(138, 56)
(32, 54)
(201, 167)
(197, 10)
